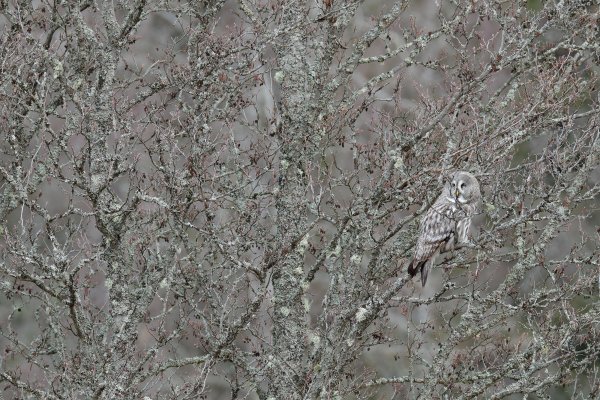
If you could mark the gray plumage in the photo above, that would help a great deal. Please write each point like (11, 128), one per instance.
(446, 224)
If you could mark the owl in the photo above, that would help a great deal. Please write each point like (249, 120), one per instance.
(446, 224)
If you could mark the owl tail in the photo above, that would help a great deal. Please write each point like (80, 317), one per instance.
(416, 266)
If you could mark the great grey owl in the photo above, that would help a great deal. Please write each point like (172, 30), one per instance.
(446, 224)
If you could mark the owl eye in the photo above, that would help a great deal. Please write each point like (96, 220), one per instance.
(462, 185)
(453, 184)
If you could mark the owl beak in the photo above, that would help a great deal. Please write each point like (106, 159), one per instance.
(456, 194)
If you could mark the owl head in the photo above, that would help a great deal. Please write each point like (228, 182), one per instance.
(463, 188)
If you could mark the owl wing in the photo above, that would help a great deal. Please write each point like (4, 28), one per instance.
(437, 229)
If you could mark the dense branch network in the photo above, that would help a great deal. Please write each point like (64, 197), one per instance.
(218, 199)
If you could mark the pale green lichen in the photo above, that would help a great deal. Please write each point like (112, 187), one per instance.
(279, 76)
(314, 339)
(361, 314)
(284, 311)
(302, 246)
